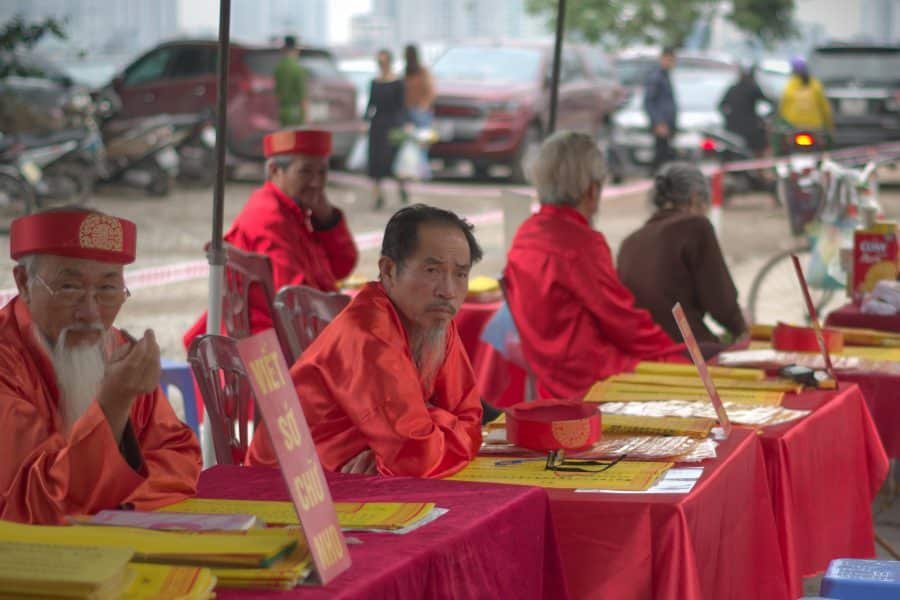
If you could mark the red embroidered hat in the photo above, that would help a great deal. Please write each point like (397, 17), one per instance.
(546, 425)
(77, 234)
(311, 142)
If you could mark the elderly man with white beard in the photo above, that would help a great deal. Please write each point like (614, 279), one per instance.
(84, 425)
(387, 386)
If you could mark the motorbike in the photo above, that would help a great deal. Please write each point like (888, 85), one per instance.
(726, 147)
(196, 148)
(68, 159)
(21, 183)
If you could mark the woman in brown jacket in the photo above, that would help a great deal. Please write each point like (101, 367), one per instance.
(675, 257)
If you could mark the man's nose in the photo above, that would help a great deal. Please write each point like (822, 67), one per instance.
(444, 287)
(88, 309)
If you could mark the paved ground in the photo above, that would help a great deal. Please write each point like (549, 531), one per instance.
(175, 229)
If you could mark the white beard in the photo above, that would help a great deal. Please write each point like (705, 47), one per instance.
(428, 354)
(79, 371)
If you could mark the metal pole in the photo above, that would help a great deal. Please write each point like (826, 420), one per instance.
(557, 56)
(216, 255)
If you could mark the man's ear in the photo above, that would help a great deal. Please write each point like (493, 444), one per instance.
(387, 269)
(21, 277)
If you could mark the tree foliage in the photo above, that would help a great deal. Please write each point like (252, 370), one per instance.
(17, 35)
(619, 23)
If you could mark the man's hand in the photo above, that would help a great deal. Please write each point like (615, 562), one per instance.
(361, 464)
(661, 130)
(132, 370)
(322, 210)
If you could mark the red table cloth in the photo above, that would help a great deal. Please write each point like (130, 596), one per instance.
(719, 541)
(496, 542)
(851, 316)
(824, 471)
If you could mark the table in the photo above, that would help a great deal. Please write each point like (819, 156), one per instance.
(496, 542)
(718, 541)
(851, 316)
(824, 471)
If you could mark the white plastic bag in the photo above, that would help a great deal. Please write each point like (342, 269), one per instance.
(358, 159)
(410, 162)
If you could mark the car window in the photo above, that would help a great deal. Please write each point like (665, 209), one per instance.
(149, 68)
(570, 70)
(319, 65)
(863, 66)
(598, 64)
(193, 61)
(488, 64)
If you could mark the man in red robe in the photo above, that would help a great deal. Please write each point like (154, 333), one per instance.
(84, 425)
(577, 322)
(290, 220)
(387, 386)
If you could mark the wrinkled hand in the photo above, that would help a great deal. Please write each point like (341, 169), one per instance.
(132, 369)
(321, 209)
(661, 130)
(361, 464)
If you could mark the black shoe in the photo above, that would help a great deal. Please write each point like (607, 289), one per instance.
(404, 197)
(379, 202)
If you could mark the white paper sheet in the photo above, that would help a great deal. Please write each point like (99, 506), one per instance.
(679, 480)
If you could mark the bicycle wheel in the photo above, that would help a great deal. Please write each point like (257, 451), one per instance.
(16, 199)
(776, 296)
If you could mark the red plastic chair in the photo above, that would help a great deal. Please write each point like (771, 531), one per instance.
(301, 313)
(226, 393)
(243, 271)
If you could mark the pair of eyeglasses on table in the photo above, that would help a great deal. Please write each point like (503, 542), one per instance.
(557, 461)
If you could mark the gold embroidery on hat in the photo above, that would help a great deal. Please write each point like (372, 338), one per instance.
(100, 232)
(571, 434)
(282, 141)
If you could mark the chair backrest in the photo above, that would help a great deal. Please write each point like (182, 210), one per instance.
(242, 270)
(227, 395)
(301, 313)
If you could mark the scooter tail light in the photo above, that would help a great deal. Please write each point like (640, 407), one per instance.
(708, 145)
(804, 140)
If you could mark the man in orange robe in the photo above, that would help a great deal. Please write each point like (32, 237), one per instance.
(290, 220)
(84, 425)
(577, 322)
(387, 386)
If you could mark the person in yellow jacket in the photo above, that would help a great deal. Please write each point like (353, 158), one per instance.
(803, 103)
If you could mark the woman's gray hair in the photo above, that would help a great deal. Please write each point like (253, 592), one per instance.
(282, 161)
(566, 166)
(677, 184)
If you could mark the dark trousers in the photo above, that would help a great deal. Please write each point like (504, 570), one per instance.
(662, 152)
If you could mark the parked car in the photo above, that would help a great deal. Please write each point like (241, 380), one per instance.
(697, 92)
(492, 103)
(180, 77)
(634, 66)
(862, 83)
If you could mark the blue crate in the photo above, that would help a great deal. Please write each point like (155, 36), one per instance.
(855, 579)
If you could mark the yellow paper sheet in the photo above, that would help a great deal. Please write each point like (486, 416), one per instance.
(683, 370)
(63, 570)
(722, 384)
(863, 352)
(255, 547)
(695, 427)
(284, 574)
(167, 582)
(351, 515)
(624, 476)
(483, 284)
(608, 391)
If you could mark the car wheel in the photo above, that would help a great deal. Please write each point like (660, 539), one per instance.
(482, 172)
(526, 154)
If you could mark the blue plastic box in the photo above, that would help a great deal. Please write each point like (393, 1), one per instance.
(855, 579)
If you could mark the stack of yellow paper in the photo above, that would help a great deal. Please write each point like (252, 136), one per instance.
(351, 515)
(696, 427)
(282, 575)
(686, 370)
(628, 476)
(852, 336)
(616, 391)
(253, 548)
(55, 571)
(165, 582)
(723, 384)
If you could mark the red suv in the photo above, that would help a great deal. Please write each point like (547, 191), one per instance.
(180, 77)
(493, 100)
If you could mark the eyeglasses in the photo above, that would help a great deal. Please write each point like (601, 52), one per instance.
(556, 461)
(71, 295)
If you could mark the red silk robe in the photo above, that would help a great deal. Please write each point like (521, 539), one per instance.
(576, 320)
(46, 475)
(271, 223)
(359, 388)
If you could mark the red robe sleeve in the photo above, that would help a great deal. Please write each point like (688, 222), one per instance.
(44, 477)
(630, 329)
(340, 247)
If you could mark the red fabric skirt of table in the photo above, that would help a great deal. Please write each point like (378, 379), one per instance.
(824, 471)
(495, 542)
